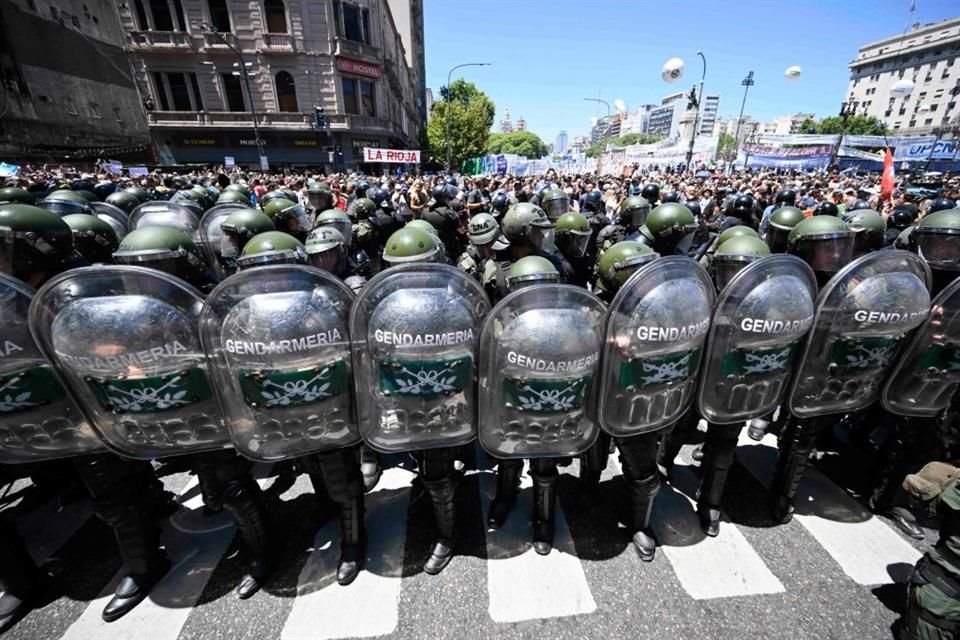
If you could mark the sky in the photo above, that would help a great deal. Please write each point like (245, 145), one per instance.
(546, 56)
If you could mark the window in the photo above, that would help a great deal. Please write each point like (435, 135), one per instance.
(95, 110)
(923, 95)
(160, 91)
(160, 10)
(358, 97)
(141, 14)
(117, 115)
(219, 15)
(232, 92)
(353, 22)
(198, 102)
(286, 93)
(933, 107)
(928, 122)
(177, 91)
(70, 107)
(276, 16)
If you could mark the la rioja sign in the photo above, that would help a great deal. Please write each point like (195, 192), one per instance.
(399, 156)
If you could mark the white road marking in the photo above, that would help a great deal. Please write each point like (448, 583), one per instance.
(863, 545)
(513, 567)
(161, 616)
(370, 605)
(706, 567)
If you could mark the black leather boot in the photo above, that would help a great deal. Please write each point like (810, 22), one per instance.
(138, 541)
(244, 503)
(544, 506)
(508, 483)
(443, 493)
(593, 462)
(20, 580)
(642, 494)
(353, 544)
(795, 444)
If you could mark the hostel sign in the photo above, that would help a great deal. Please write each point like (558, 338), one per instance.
(399, 156)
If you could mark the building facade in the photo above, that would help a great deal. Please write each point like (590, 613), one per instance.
(708, 115)
(637, 121)
(924, 57)
(729, 126)
(560, 145)
(785, 125)
(664, 119)
(506, 125)
(67, 91)
(341, 64)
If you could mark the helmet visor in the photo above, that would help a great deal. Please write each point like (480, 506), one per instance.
(331, 259)
(270, 257)
(230, 245)
(429, 256)
(293, 220)
(826, 253)
(637, 216)
(725, 267)
(776, 239)
(345, 227)
(574, 243)
(7, 245)
(320, 200)
(542, 239)
(64, 207)
(941, 250)
(518, 282)
(556, 207)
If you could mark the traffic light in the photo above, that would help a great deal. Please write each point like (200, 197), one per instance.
(319, 119)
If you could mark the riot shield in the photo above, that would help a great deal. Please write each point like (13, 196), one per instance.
(758, 326)
(126, 343)
(38, 420)
(211, 235)
(656, 327)
(926, 376)
(279, 349)
(165, 214)
(539, 365)
(863, 314)
(415, 331)
(113, 216)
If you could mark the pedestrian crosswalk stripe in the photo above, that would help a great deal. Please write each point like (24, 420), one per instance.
(521, 584)
(369, 606)
(862, 544)
(162, 615)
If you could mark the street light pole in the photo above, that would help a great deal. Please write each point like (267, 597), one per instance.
(603, 102)
(696, 115)
(747, 83)
(847, 109)
(449, 74)
(246, 84)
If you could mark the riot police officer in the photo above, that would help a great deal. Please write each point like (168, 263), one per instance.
(93, 238)
(358, 262)
(555, 202)
(123, 200)
(486, 242)
(573, 237)
(10, 195)
(631, 216)
(445, 219)
(651, 193)
(617, 264)
(288, 216)
(935, 239)
(669, 229)
(529, 232)
(238, 228)
(272, 247)
(899, 220)
(869, 227)
(779, 225)
(784, 198)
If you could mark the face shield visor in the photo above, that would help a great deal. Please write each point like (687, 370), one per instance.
(430, 256)
(940, 248)
(519, 282)
(827, 253)
(320, 200)
(332, 259)
(294, 221)
(64, 207)
(541, 236)
(574, 243)
(725, 267)
(556, 207)
(344, 226)
(287, 256)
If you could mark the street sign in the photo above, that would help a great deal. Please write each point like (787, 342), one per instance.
(137, 171)
(229, 162)
(264, 165)
(391, 155)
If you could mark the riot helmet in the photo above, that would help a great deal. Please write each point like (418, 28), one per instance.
(901, 218)
(87, 195)
(320, 197)
(671, 225)
(531, 270)
(733, 255)
(738, 231)
(338, 220)
(93, 238)
(165, 249)
(239, 188)
(528, 224)
(573, 234)
(363, 209)
(826, 208)
(633, 212)
(139, 193)
(651, 193)
(593, 202)
(123, 200)
(620, 261)
(782, 222)
(555, 202)
(786, 198)
(288, 217)
(500, 203)
(32, 240)
(485, 234)
(904, 240)
(326, 249)
(743, 208)
(63, 203)
(670, 196)
(937, 238)
(857, 205)
(941, 204)
(823, 242)
(868, 226)
(239, 227)
(362, 187)
(410, 244)
(233, 197)
(15, 195)
(272, 247)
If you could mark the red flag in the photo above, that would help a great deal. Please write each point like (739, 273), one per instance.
(887, 181)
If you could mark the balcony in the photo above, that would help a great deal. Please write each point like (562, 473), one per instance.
(159, 40)
(351, 49)
(211, 39)
(270, 120)
(278, 41)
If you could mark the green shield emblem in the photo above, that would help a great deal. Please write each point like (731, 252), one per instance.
(151, 395)
(756, 362)
(651, 372)
(29, 388)
(425, 378)
(294, 388)
(863, 353)
(545, 396)
(941, 359)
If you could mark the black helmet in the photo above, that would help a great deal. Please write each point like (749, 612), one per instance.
(826, 208)
(900, 219)
(451, 181)
(940, 204)
(439, 193)
(786, 197)
(362, 187)
(500, 203)
(743, 208)
(672, 196)
(651, 193)
(856, 205)
(694, 206)
(593, 202)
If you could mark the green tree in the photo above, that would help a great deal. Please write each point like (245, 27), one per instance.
(522, 143)
(855, 125)
(808, 125)
(471, 116)
(726, 146)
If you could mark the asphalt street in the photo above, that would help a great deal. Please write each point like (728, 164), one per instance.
(835, 571)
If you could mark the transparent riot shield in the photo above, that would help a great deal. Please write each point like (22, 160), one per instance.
(113, 216)
(539, 372)
(126, 343)
(211, 235)
(415, 331)
(38, 420)
(656, 327)
(165, 214)
(758, 327)
(279, 348)
(926, 376)
(863, 315)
